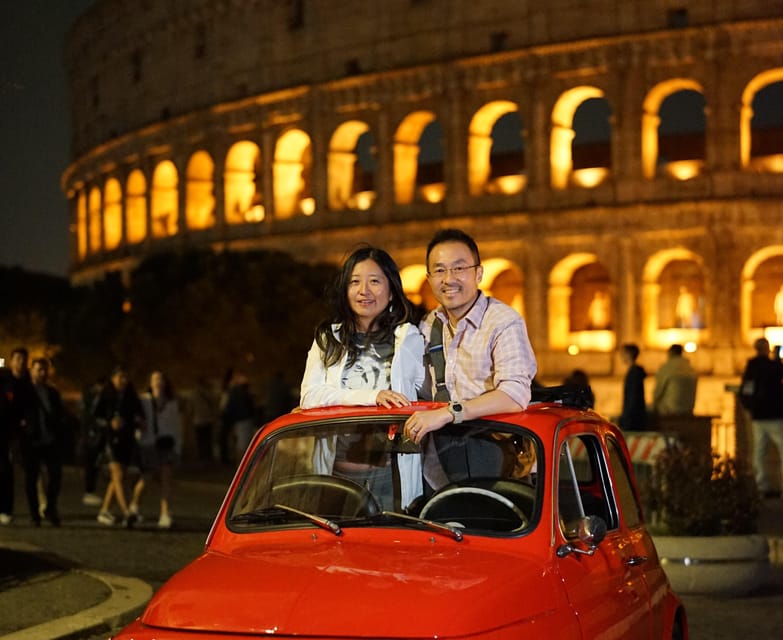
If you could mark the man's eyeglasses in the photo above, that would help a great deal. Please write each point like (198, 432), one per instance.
(440, 272)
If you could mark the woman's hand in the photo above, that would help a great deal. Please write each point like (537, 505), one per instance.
(388, 398)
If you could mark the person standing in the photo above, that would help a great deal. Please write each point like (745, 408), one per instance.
(93, 442)
(761, 393)
(238, 417)
(480, 357)
(634, 412)
(160, 445)
(119, 412)
(204, 412)
(41, 441)
(675, 385)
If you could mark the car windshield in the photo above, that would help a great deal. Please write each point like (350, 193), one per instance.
(357, 472)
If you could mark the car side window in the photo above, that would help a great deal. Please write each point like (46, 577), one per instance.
(629, 504)
(582, 484)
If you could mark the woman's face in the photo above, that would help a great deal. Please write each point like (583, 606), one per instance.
(156, 382)
(368, 293)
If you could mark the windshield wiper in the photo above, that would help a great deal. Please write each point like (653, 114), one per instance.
(279, 511)
(452, 532)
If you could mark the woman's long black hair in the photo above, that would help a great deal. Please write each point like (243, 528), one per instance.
(398, 311)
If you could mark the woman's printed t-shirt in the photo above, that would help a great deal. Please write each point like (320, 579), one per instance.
(372, 367)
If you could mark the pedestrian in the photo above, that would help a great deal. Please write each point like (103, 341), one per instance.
(204, 413)
(41, 442)
(761, 393)
(93, 442)
(633, 416)
(277, 397)
(675, 385)
(366, 352)
(119, 413)
(579, 378)
(238, 416)
(479, 355)
(159, 446)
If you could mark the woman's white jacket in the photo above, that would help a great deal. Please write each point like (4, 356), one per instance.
(323, 386)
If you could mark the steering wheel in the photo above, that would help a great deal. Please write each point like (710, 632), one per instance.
(325, 495)
(460, 503)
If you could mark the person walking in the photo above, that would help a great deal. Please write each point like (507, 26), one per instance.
(41, 441)
(119, 413)
(366, 352)
(93, 442)
(633, 416)
(761, 393)
(675, 385)
(160, 445)
(238, 417)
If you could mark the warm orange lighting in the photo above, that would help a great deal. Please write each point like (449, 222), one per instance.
(307, 206)
(589, 177)
(774, 335)
(602, 341)
(433, 193)
(573, 350)
(126, 305)
(256, 213)
(136, 207)
(772, 163)
(240, 178)
(684, 169)
(508, 185)
(690, 347)
(112, 214)
(363, 200)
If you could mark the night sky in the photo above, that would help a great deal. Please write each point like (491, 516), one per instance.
(34, 133)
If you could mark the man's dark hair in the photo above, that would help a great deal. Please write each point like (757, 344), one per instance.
(675, 350)
(632, 350)
(453, 235)
(21, 351)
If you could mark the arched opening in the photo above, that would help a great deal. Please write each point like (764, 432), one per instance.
(136, 207)
(112, 214)
(591, 148)
(674, 299)
(496, 162)
(94, 217)
(199, 195)
(503, 280)
(761, 122)
(242, 194)
(292, 167)
(762, 296)
(81, 225)
(351, 167)
(417, 287)
(430, 183)
(406, 154)
(673, 126)
(563, 135)
(165, 200)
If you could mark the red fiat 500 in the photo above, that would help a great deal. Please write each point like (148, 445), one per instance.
(514, 526)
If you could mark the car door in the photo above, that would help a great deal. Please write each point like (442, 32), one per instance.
(606, 588)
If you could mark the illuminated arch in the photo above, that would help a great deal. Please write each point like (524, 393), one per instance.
(136, 207)
(480, 143)
(341, 164)
(651, 118)
(112, 214)
(746, 110)
(560, 154)
(562, 334)
(291, 174)
(502, 279)
(406, 154)
(751, 294)
(199, 194)
(243, 199)
(654, 334)
(81, 225)
(416, 286)
(94, 220)
(165, 200)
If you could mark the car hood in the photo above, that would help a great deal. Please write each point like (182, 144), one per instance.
(434, 587)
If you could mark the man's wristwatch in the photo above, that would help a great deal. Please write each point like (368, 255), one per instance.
(456, 411)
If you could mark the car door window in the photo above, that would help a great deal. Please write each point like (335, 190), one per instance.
(626, 496)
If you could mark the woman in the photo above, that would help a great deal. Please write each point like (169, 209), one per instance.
(368, 352)
(160, 444)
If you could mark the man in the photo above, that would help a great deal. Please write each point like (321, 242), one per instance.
(488, 363)
(761, 393)
(41, 441)
(634, 412)
(675, 385)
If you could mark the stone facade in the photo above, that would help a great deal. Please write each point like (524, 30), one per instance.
(189, 117)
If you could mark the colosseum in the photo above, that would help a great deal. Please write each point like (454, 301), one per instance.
(620, 163)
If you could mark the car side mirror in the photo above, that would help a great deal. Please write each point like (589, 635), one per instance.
(591, 531)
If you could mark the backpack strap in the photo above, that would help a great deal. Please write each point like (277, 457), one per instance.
(438, 361)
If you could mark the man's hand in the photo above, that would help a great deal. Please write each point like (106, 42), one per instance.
(423, 422)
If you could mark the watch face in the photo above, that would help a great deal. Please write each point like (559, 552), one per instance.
(457, 406)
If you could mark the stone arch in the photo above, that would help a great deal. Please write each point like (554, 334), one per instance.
(344, 174)
(165, 200)
(759, 82)
(199, 191)
(673, 295)
(562, 133)
(81, 225)
(136, 207)
(578, 283)
(651, 119)
(112, 214)
(291, 175)
(95, 231)
(417, 287)
(406, 154)
(761, 282)
(480, 143)
(242, 197)
(502, 279)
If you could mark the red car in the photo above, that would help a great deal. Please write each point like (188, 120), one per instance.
(514, 526)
